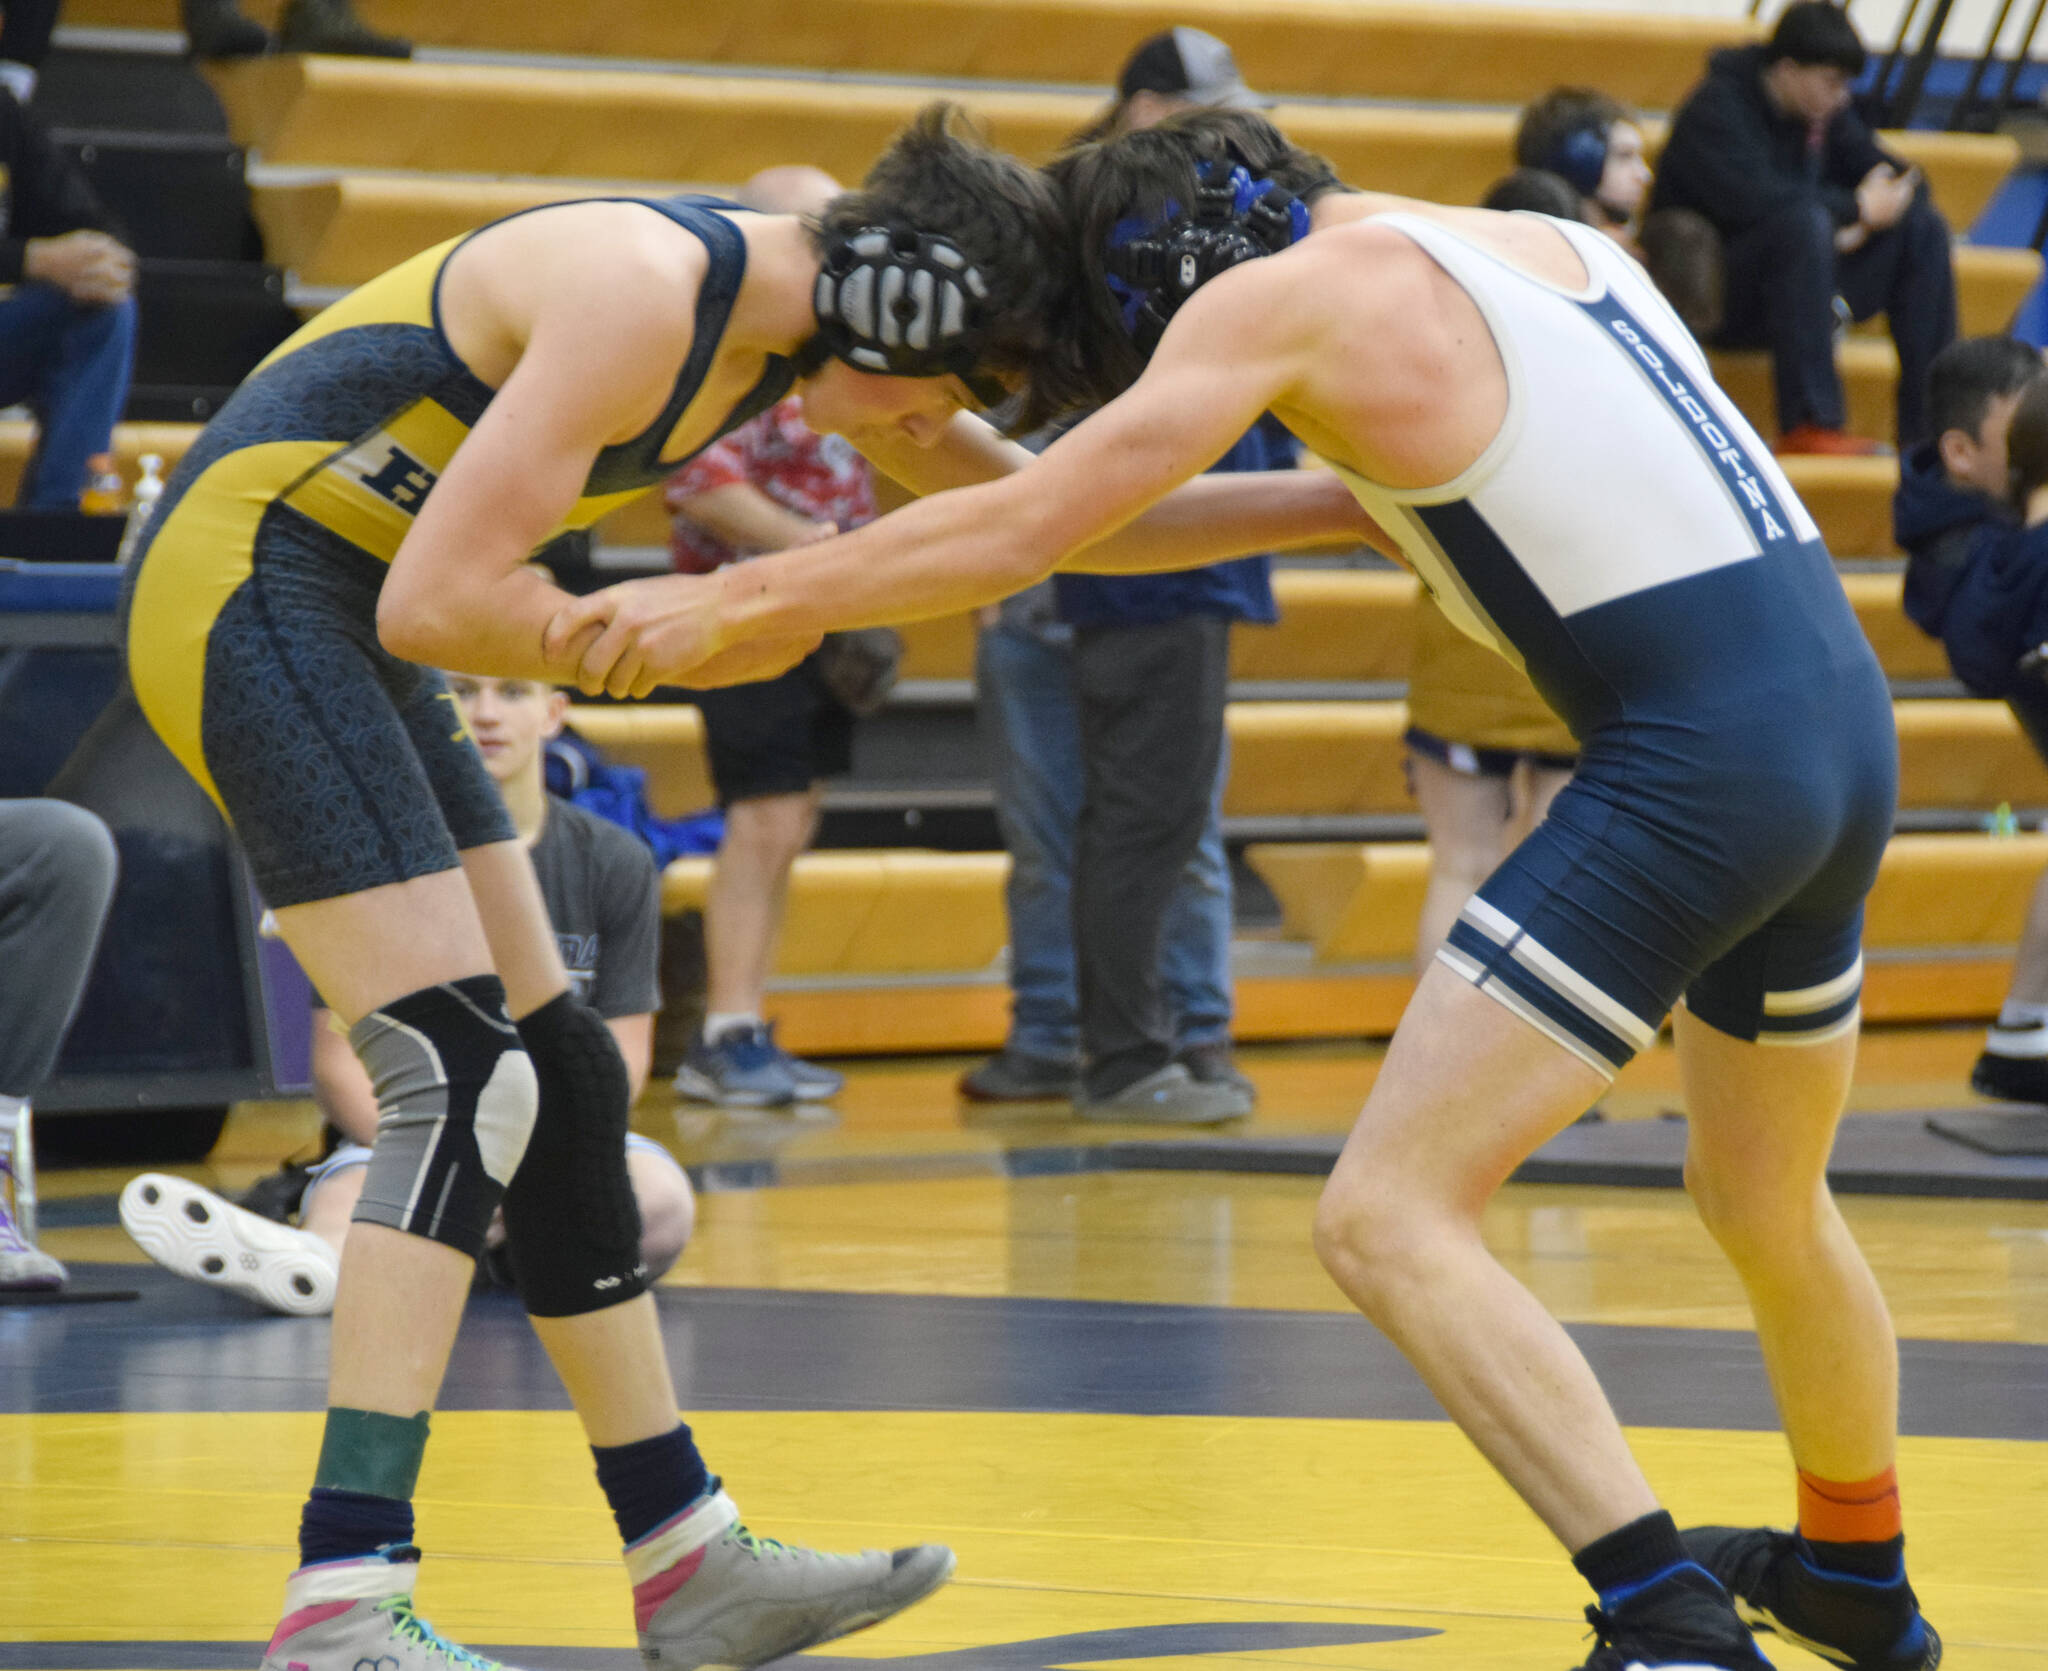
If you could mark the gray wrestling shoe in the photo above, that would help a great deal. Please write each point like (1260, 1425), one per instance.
(341, 1615)
(707, 1592)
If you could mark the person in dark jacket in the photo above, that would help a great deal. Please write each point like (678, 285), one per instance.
(67, 328)
(1810, 207)
(1974, 580)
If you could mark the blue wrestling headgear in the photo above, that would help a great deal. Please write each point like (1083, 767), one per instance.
(1152, 266)
(1580, 156)
(903, 304)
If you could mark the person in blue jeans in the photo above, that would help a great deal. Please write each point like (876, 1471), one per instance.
(1102, 701)
(1105, 722)
(67, 328)
(1024, 689)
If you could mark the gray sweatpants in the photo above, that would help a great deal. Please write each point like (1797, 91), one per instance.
(57, 870)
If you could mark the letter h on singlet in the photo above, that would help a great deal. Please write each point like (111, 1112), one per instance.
(404, 480)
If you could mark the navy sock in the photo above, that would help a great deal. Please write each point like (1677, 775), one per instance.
(1631, 1559)
(341, 1525)
(1881, 1562)
(651, 1480)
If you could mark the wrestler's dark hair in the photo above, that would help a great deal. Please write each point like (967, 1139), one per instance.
(1139, 175)
(1968, 375)
(940, 177)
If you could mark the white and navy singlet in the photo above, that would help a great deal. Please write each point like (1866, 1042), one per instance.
(1629, 540)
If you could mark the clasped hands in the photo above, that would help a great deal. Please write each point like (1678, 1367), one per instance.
(627, 639)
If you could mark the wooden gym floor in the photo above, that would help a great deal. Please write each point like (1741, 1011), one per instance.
(1131, 1401)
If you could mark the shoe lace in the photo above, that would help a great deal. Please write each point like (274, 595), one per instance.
(408, 1626)
(751, 1047)
(758, 1547)
(11, 1238)
(1604, 1656)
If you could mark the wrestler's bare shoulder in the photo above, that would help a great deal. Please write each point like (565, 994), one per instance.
(616, 261)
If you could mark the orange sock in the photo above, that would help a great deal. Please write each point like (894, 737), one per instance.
(1853, 1511)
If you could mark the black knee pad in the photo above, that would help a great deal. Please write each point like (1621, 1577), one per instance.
(571, 1224)
(455, 1101)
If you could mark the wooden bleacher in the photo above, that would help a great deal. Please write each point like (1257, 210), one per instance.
(366, 162)
(1495, 55)
(1305, 760)
(595, 125)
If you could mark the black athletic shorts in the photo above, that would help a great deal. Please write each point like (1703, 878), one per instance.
(777, 737)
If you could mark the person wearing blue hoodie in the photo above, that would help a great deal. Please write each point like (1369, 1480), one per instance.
(1976, 580)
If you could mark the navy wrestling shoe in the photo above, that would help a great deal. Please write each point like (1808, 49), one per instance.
(1683, 1622)
(1849, 1621)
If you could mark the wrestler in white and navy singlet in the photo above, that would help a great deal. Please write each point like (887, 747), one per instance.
(1629, 540)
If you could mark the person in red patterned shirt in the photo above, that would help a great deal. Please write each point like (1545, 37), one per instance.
(769, 485)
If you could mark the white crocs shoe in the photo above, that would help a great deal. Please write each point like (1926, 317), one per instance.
(188, 1229)
(707, 1592)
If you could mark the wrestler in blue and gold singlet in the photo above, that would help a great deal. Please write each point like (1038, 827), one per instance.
(252, 638)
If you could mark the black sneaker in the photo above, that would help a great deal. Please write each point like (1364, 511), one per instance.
(1013, 1076)
(2012, 1078)
(277, 1195)
(1212, 1064)
(1684, 1622)
(1848, 1621)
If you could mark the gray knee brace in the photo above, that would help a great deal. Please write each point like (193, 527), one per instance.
(456, 1099)
(571, 1224)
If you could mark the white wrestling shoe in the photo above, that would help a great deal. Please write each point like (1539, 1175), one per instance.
(708, 1593)
(188, 1229)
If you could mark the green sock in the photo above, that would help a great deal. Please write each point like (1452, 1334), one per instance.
(372, 1453)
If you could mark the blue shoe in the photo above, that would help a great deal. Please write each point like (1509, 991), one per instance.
(743, 1069)
(1851, 1622)
(813, 1083)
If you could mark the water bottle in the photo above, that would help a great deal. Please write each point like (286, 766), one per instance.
(104, 488)
(148, 490)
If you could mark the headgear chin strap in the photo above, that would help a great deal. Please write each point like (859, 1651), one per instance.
(1154, 266)
(903, 304)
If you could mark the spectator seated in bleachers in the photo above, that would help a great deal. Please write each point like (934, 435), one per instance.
(1595, 145)
(1978, 582)
(1810, 207)
(67, 328)
(1996, 624)
(604, 902)
(1955, 489)
(57, 872)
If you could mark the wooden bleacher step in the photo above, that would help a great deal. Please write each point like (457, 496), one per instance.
(498, 120)
(1344, 759)
(1499, 54)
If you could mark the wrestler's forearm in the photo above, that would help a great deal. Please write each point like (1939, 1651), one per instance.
(1214, 518)
(488, 627)
(952, 552)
